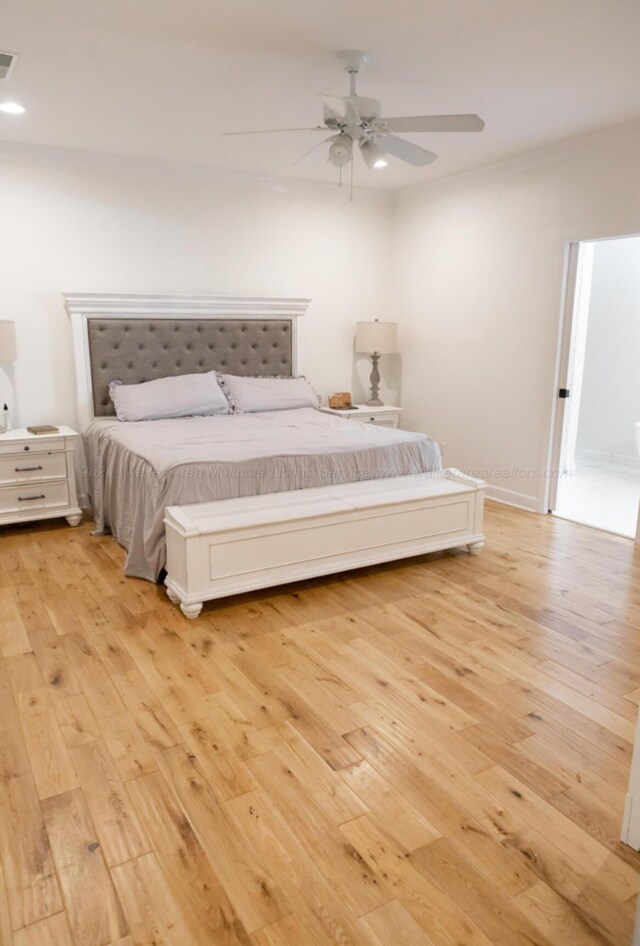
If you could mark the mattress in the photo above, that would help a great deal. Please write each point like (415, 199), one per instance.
(135, 470)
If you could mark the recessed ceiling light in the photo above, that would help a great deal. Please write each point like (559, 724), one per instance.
(12, 108)
(380, 163)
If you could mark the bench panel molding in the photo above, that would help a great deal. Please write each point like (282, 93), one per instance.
(262, 541)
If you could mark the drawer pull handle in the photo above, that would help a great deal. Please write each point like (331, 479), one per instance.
(26, 499)
(26, 469)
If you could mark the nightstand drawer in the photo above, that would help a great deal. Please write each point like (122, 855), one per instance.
(382, 420)
(34, 445)
(33, 496)
(383, 415)
(23, 469)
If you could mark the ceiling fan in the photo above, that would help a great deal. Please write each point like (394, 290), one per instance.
(356, 119)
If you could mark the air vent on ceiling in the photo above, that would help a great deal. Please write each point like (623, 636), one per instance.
(7, 64)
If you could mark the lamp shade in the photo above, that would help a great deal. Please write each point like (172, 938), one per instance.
(8, 349)
(377, 337)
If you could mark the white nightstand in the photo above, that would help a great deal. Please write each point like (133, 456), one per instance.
(385, 416)
(37, 476)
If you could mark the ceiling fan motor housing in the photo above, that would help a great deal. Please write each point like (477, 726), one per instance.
(366, 109)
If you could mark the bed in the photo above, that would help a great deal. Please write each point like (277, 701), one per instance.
(138, 469)
(135, 471)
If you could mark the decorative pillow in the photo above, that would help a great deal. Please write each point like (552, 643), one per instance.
(268, 394)
(184, 395)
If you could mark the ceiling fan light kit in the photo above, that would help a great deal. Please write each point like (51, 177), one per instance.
(341, 151)
(356, 118)
(372, 153)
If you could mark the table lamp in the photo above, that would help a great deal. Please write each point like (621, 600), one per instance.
(375, 339)
(8, 349)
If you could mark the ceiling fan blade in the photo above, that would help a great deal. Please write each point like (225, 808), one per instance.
(341, 108)
(270, 131)
(303, 157)
(405, 150)
(435, 123)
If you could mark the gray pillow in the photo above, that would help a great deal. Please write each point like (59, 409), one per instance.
(267, 394)
(184, 395)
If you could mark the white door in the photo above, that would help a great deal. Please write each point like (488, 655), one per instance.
(571, 362)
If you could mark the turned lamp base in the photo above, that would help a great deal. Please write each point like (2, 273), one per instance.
(375, 338)
(374, 381)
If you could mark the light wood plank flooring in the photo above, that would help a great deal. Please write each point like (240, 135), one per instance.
(431, 753)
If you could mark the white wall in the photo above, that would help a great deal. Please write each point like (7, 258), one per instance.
(476, 281)
(610, 403)
(73, 223)
(480, 263)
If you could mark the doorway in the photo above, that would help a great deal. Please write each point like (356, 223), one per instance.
(596, 442)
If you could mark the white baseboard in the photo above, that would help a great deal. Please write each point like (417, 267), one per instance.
(616, 459)
(511, 498)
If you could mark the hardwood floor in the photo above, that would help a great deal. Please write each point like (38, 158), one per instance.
(431, 753)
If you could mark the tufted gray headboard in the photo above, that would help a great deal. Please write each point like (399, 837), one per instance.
(134, 350)
(134, 338)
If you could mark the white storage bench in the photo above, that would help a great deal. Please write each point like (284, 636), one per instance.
(235, 545)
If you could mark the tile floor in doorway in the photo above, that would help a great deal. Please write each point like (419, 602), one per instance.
(601, 494)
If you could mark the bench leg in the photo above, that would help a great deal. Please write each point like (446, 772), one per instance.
(475, 547)
(191, 611)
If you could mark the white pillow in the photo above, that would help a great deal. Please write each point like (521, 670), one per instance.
(180, 396)
(268, 394)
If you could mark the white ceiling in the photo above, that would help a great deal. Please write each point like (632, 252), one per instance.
(162, 78)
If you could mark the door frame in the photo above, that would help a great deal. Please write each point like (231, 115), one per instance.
(563, 355)
(630, 833)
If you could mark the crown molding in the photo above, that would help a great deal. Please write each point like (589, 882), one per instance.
(565, 149)
(182, 171)
(561, 150)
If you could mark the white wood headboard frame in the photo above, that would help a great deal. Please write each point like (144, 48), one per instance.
(83, 306)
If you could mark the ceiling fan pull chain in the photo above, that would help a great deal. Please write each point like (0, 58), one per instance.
(351, 185)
